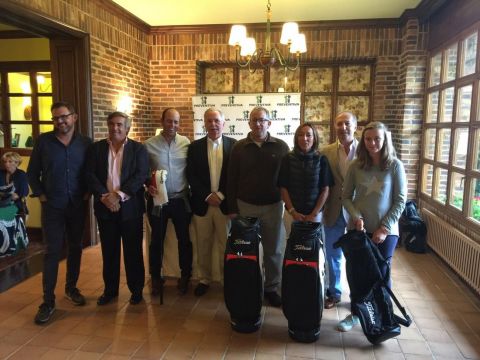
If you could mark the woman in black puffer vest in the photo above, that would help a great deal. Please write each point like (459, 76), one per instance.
(304, 178)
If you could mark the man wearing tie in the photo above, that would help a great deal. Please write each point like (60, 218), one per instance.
(207, 163)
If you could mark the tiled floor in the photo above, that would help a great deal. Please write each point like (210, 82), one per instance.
(446, 323)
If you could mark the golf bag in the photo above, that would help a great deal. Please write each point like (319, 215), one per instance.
(243, 275)
(369, 293)
(303, 281)
(413, 230)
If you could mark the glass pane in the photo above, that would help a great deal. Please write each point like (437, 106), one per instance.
(323, 134)
(451, 61)
(427, 177)
(447, 105)
(475, 205)
(456, 191)
(464, 102)
(460, 147)
(443, 151)
(318, 108)
(441, 178)
(476, 151)
(429, 147)
(2, 136)
(44, 82)
(20, 108)
(21, 135)
(319, 79)
(19, 83)
(469, 54)
(354, 78)
(358, 105)
(251, 83)
(43, 128)
(44, 103)
(435, 69)
(432, 110)
(218, 80)
(290, 81)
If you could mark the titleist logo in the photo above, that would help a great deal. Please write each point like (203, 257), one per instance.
(241, 242)
(302, 247)
(371, 312)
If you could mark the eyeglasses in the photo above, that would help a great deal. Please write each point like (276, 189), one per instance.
(259, 121)
(61, 117)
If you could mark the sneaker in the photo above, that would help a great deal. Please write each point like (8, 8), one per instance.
(348, 323)
(273, 298)
(44, 314)
(330, 302)
(75, 297)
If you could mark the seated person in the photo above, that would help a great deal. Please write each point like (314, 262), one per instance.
(11, 174)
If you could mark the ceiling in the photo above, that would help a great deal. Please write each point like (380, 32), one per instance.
(197, 12)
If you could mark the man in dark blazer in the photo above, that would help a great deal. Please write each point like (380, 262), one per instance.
(207, 164)
(117, 168)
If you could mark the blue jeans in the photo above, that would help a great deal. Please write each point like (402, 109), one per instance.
(334, 258)
(386, 249)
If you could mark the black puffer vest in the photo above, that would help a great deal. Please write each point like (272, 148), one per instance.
(304, 175)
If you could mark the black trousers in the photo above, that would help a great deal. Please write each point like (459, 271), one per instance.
(129, 233)
(59, 226)
(176, 210)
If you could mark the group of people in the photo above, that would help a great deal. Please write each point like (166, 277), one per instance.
(347, 184)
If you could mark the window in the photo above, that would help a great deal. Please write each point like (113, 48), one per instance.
(450, 176)
(326, 89)
(25, 97)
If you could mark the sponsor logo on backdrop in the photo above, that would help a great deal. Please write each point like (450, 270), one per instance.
(204, 102)
(231, 129)
(198, 120)
(273, 116)
(231, 102)
(287, 101)
(286, 129)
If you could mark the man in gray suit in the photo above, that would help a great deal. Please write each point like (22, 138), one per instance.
(339, 155)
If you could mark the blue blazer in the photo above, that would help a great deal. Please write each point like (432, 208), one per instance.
(133, 175)
(198, 173)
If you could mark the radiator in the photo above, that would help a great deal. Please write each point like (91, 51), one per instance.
(457, 249)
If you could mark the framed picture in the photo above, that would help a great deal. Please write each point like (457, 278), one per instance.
(16, 140)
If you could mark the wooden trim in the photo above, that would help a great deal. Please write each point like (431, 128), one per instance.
(423, 11)
(16, 34)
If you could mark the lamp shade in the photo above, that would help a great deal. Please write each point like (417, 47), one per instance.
(299, 44)
(238, 34)
(248, 47)
(289, 31)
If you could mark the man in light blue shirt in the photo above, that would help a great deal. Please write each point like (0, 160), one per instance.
(168, 151)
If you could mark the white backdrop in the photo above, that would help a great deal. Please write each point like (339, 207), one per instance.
(285, 114)
(284, 111)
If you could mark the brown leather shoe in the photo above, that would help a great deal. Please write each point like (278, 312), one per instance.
(330, 302)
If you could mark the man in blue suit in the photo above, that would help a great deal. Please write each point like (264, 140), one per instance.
(117, 168)
(207, 163)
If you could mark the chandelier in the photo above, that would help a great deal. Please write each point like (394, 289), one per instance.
(247, 55)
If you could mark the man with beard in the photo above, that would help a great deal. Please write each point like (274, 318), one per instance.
(56, 175)
(335, 218)
(252, 191)
(207, 163)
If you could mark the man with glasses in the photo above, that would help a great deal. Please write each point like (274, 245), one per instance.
(252, 191)
(56, 175)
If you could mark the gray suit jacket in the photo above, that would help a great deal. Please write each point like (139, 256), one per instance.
(333, 205)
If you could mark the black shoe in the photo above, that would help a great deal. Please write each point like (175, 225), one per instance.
(136, 299)
(201, 289)
(44, 314)
(273, 298)
(105, 299)
(157, 286)
(182, 284)
(75, 297)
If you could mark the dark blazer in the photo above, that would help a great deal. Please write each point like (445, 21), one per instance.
(133, 176)
(198, 173)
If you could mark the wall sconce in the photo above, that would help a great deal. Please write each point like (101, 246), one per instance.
(125, 104)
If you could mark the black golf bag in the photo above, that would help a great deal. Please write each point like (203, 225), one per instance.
(243, 275)
(303, 281)
(369, 293)
(413, 230)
